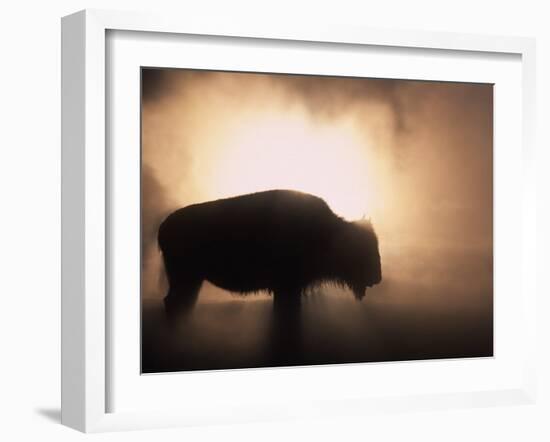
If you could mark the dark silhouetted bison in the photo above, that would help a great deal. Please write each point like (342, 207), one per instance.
(281, 241)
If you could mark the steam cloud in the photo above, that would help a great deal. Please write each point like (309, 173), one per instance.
(430, 144)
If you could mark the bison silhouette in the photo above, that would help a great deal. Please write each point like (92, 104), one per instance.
(281, 241)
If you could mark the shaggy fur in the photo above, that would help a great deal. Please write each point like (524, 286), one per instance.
(281, 241)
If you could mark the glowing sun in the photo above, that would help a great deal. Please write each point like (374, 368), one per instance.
(288, 151)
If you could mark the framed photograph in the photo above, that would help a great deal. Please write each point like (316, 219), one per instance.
(263, 222)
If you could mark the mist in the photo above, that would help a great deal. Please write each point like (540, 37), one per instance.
(414, 156)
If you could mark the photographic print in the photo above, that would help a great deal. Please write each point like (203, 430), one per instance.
(295, 220)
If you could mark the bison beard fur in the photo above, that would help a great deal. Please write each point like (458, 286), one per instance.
(281, 241)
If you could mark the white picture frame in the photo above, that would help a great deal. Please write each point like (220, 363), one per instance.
(86, 204)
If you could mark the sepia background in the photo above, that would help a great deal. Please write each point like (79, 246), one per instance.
(414, 156)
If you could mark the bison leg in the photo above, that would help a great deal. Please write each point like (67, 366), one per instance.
(287, 327)
(287, 302)
(184, 288)
(181, 297)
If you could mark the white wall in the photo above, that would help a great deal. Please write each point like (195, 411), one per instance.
(30, 221)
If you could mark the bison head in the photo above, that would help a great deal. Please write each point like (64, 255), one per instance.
(357, 256)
